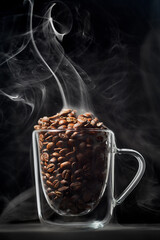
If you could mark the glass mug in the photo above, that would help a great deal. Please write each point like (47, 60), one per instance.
(74, 176)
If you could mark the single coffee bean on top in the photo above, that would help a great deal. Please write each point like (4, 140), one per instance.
(73, 160)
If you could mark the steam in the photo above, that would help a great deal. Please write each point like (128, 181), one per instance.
(41, 57)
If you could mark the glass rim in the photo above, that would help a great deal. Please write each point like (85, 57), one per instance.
(74, 130)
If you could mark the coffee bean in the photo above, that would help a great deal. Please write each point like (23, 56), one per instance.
(49, 183)
(60, 144)
(66, 174)
(58, 194)
(71, 142)
(45, 119)
(65, 165)
(61, 159)
(50, 167)
(77, 125)
(70, 154)
(82, 145)
(50, 145)
(41, 137)
(63, 151)
(59, 176)
(44, 177)
(45, 156)
(47, 175)
(50, 194)
(74, 135)
(49, 189)
(70, 125)
(62, 127)
(45, 150)
(75, 186)
(62, 122)
(63, 189)
(64, 112)
(69, 133)
(55, 183)
(53, 160)
(64, 182)
(78, 172)
(51, 178)
(55, 154)
(57, 149)
(80, 157)
(48, 138)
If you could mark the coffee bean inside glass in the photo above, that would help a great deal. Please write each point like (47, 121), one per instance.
(73, 162)
(73, 169)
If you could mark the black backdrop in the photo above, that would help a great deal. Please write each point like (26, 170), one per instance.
(118, 46)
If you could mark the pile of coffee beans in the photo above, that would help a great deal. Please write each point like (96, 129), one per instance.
(73, 160)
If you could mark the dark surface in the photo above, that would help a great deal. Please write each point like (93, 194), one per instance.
(120, 52)
(111, 232)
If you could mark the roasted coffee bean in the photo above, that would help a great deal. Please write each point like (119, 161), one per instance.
(41, 137)
(70, 125)
(65, 165)
(49, 183)
(63, 189)
(69, 133)
(50, 194)
(62, 127)
(63, 122)
(63, 151)
(82, 145)
(49, 189)
(70, 154)
(45, 156)
(45, 150)
(64, 182)
(71, 142)
(78, 172)
(55, 184)
(74, 135)
(61, 159)
(77, 125)
(72, 159)
(50, 167)
(53, 160)
(44, 177)
(63, 136)
(58, 194)
(45, 119)
(64, 112)
(71, 120)
(47, 175)
(66, 174)
(48, 138)
(57, 149)
(51, 178)
(55, 154)
(60, 144)
(80, 157)
(75, 186)
(55, 139)
(50, 145)
(59, 176)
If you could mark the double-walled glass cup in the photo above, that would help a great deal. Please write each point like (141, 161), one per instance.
(74, 176)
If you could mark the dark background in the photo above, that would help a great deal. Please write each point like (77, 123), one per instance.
(117, 43)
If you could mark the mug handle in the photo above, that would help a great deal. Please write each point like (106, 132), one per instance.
(137, 177)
